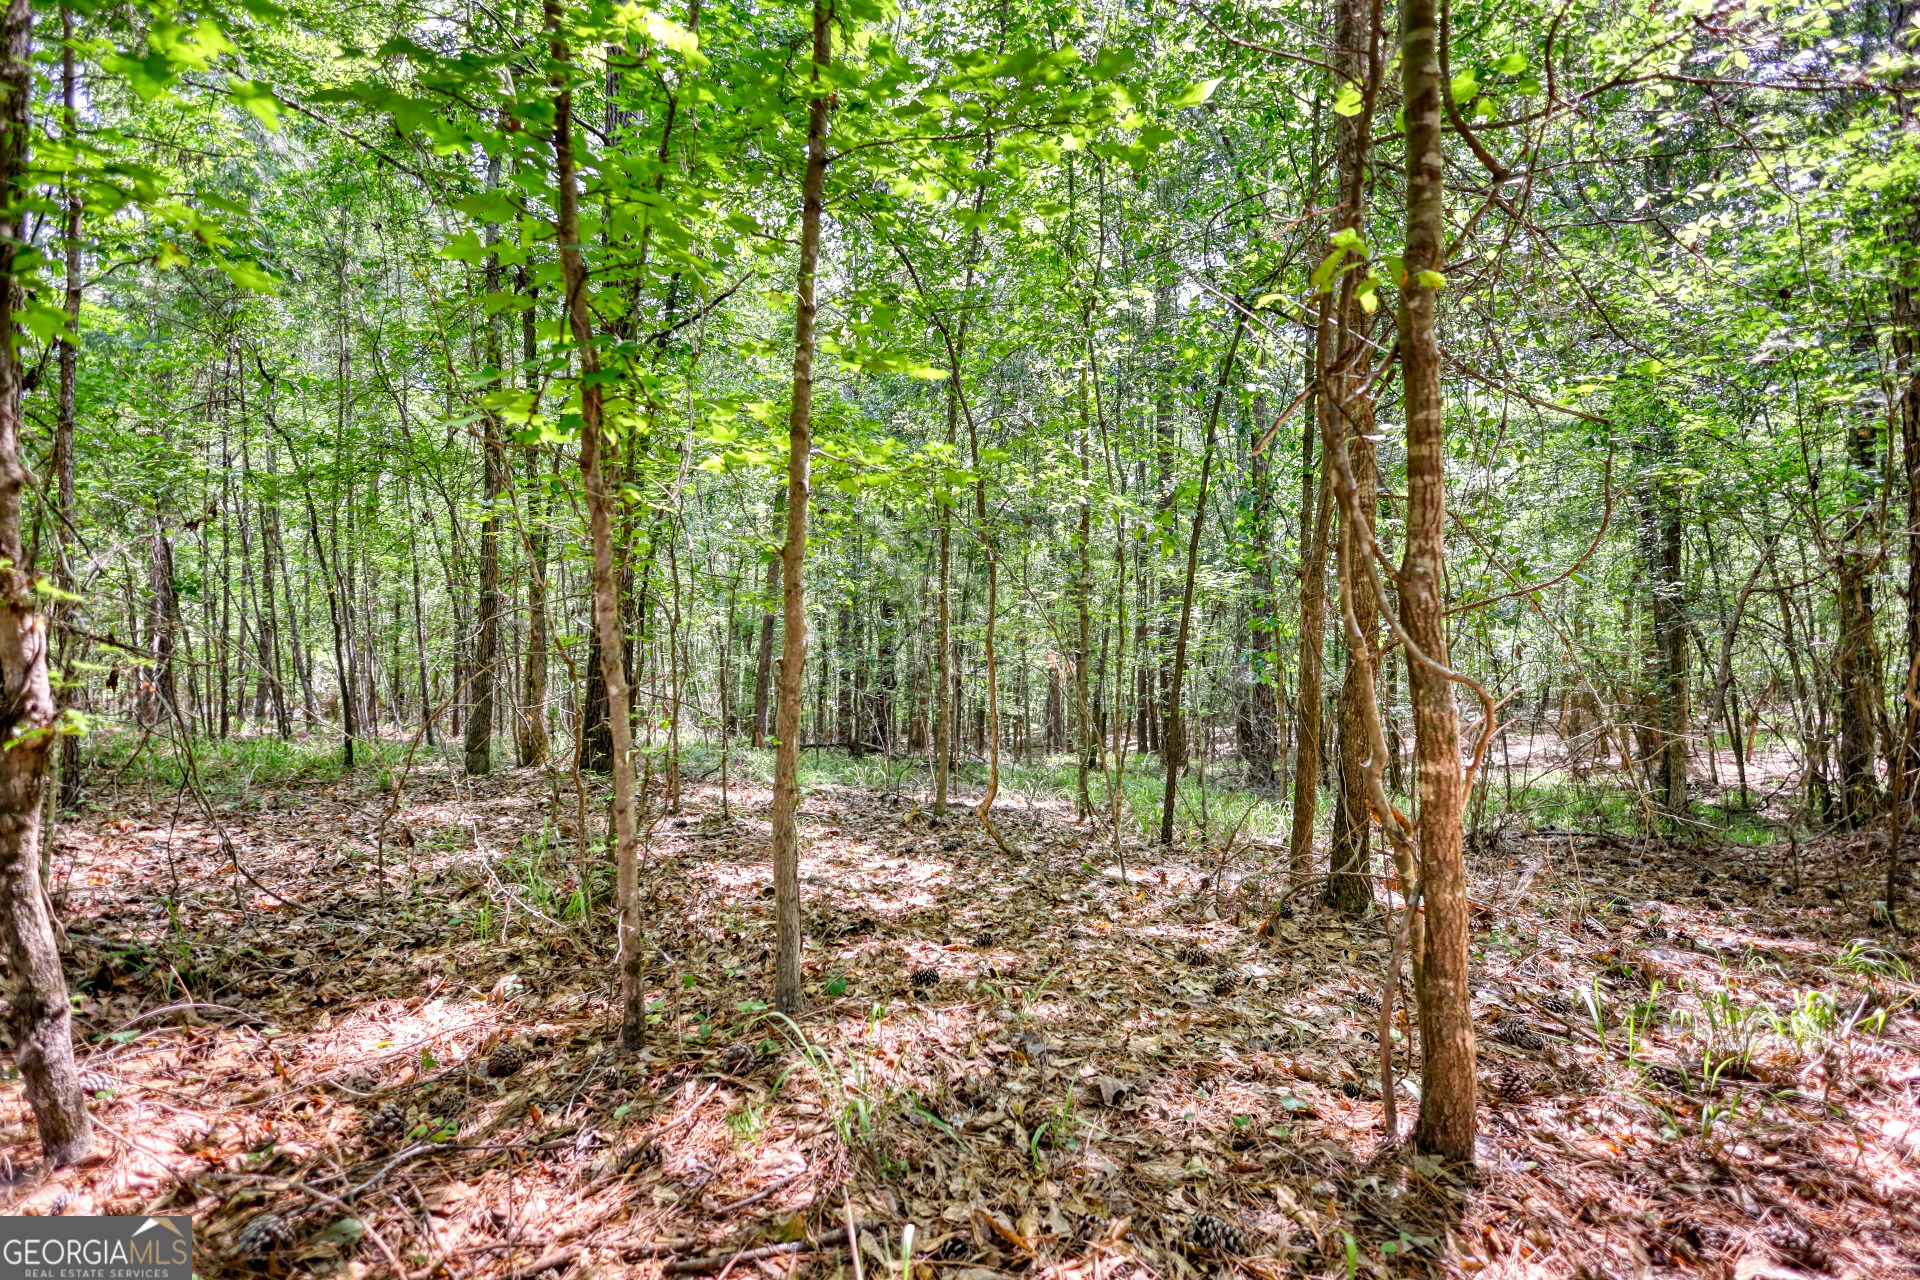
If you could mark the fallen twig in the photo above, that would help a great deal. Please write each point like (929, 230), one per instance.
(715, 1261)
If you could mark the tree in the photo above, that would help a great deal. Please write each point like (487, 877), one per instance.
(787, 996)
(41, 1014)
(1448, 1083)
(606, 597)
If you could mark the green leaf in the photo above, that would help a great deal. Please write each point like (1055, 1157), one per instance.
(1348, 101)
(258, 100)
(465, 247)
(1323, 274)
(149, 76)
(671, 35)
(248, 275)
(43, 320)
(1466, 86)
(1511, 65)
(1195, 94)
(488, 206)
(1431, 280)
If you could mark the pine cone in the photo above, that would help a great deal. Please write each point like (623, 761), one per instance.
(1512, 1084)
(361, 1082)
(1794, 1243)
(1353, 1089)
(1667, 1077)
(1518, 1034)
(1214, 1235)
(505, 1061)
(1226, 984)
(1367, 1000)
(642, 1155)
(1554, 1002)
(983, 939)
(390, 1121)
(97, 1082)
(925, 976)
(1657, 931)
(1194, 955)
(263, 1237)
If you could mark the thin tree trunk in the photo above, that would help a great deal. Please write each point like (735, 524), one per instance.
(1313, 617)
(1447, 1090)
(793, 556)
(1086, 742)
(1857, 659)
(159, 695)
(493, 483)
(530, 744)
(1263, 658)
(1904, 316)
(1349, 410)
(1175, 754)
(40, 1012)
(606, 596)
(763, 667)
(69, 758)
(1661, 550)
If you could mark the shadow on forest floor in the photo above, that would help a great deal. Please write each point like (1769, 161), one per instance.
(1044, 1064)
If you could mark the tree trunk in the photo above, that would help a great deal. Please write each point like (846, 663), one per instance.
(530, 744)
(493, 483)
(1314, 501)
(1263, 652)
(606, 596)
(763, 668)
(1857, 660)
(40, 1012)
(1175, 755)
(1446, 1124)
(793, 556)
(1904, 317)
(1348, 409)
(1661, 549)
(69, 759)
(158, 695)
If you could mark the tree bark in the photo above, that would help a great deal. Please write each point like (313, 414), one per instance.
(1175, 754)
(530, 744)
(1857, 661)
(1448, 1084)
(1263, 657)
(1348, 409)
(1314, 503)
(793, 556)
(606, 596)
(64, 420)
(1662, 547)
(763, 668)
(486, 645)
(41, 1014)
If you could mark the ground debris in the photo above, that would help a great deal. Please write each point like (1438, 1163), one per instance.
(1050, 1063)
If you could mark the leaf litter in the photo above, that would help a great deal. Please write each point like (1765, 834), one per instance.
(1043, 1065)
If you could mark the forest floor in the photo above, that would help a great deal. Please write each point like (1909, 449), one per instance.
(1047, 1064)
